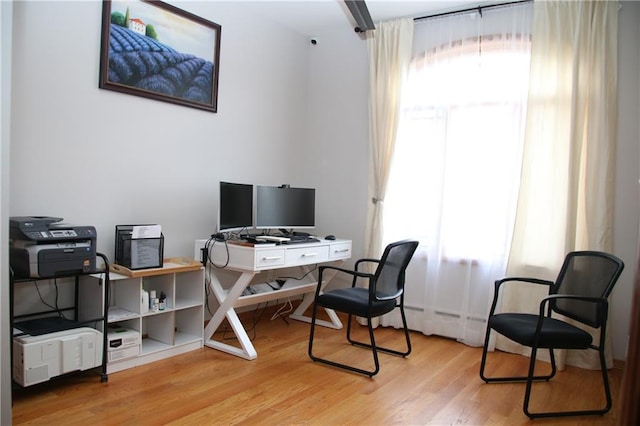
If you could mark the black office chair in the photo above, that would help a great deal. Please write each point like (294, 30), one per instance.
(384, 293)
(580, 293)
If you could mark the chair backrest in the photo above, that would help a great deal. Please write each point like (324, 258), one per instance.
(587, 274)
(391, 269)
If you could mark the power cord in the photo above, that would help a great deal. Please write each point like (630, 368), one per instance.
(208, 247)
(257, 315)
(56, 306)
(315, 266)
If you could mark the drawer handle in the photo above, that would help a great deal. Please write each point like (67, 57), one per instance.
(341, 251)
(309, 254)
(272, 258)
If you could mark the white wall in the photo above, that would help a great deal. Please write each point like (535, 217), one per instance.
(5, 121)
(338, 132)
(97, 157)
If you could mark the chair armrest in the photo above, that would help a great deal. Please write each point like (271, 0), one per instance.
(574, 297)
(346, 271)
(499, 283)
(359, 261)
(355, 274)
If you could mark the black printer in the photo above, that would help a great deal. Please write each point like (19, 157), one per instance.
(42, 246)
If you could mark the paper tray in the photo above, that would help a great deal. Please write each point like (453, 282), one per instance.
(169, 265)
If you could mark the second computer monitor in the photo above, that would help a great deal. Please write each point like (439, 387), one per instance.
(283, 207)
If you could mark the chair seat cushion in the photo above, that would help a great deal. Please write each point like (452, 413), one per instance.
(354, 300)
(521, 328)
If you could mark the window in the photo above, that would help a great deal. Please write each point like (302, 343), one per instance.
(457, 159)
(455, 173)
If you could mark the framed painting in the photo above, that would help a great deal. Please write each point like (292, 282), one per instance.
(155, 50)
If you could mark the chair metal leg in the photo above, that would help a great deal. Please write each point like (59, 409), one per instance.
(372, 345)
(369, 373)
(527, 392)
(483, 363)
(374, 350)
(527, 395)
(531, 377)
(406, 332)
(314, 312)
(605, 380)
(384, 349)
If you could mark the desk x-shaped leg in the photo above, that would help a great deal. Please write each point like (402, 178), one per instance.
(227, 301)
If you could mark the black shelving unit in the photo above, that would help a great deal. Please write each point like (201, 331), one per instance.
(45, 322)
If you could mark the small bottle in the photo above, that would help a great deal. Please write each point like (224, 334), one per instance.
(144, 301)
(153, 301)
(162, 301)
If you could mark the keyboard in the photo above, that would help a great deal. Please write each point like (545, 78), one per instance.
(298, 240)
(293, 239)
(254, 240)
(272, 238)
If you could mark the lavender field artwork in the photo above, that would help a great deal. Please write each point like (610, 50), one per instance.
(155, 50)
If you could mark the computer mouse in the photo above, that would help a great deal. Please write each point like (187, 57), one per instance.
(330, 237)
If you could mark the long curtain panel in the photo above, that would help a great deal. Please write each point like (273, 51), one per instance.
(389, 47)
(454, 180)
(566, 192)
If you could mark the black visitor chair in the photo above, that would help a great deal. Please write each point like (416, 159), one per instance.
(384, 293)
(580, 293)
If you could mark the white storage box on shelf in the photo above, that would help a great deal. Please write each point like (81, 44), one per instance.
(122, 343)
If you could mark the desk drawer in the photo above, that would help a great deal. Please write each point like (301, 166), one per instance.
(270, 258)
(340, 250)
(307, 255)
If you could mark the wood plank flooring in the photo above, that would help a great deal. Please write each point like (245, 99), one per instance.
(438, 384)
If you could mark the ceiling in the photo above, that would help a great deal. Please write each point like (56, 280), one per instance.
(309, 17)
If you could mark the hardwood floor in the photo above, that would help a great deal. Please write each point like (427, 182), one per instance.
(437, 384)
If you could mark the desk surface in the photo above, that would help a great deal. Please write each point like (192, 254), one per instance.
(263, 257)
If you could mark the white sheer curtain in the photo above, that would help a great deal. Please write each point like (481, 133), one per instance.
(389, 48)
(566, 195)
(454, 180)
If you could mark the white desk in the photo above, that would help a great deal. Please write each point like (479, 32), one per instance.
(247, 261)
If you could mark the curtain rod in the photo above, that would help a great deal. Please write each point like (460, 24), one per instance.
(471, 9)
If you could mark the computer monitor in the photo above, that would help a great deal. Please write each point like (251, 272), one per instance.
(283, 207)
(235, 210)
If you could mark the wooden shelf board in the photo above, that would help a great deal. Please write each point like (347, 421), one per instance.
(169, 265)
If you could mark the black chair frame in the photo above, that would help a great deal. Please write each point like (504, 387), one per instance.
(545, 312)
(373, 297)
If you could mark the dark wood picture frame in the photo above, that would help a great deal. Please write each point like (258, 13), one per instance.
(155, 50)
